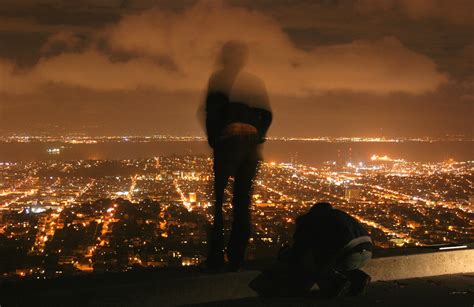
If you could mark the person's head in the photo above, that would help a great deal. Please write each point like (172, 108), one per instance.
(321, 206)
(234, 55)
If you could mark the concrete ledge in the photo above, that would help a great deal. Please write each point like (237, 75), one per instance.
(421, 265)
(231, 286)
(178, 286)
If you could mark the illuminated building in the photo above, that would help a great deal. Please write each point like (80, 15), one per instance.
(54, 151)
(352, 194)
(192, 197)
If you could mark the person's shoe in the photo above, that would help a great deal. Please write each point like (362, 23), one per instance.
(340, 286)
(359, 282)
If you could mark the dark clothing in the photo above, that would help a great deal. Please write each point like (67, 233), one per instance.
(326, 229)
(237, 157)
(220, 112)
(238, 116)
(329, 245)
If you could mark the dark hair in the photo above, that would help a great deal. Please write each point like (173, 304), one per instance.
(316, 209)
(321, 206)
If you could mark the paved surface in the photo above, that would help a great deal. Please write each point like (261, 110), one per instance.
(165, 289)
(448, 290)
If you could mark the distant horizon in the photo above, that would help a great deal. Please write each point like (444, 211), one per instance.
(191, 137)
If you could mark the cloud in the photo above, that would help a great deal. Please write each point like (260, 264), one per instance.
(93, 70)
(14, 80)
(456, 11)
(176, 51)
(63, 40)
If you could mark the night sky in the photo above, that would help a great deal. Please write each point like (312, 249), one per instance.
(338, 68)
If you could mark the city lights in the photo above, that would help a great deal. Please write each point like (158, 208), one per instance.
(157, 216)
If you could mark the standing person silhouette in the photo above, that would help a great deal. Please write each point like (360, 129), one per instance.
(238, 115)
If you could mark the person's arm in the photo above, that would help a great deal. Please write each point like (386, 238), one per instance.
(217, 99)
(301, 242)
(265, 119)
(215, 103)
(262, 109)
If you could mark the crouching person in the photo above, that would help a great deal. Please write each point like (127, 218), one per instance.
(329, 249)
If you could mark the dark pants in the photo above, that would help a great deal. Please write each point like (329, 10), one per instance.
(238, 158)
(298, 273)
(323, 268)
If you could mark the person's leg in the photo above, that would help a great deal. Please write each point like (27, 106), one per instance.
(308, 269)
(353, 261)
(359, 281)
(331, 282)
(316, 267)
(241, 210)
(215, 259)
(350, 267)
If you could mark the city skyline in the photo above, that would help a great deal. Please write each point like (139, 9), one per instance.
(69, 217)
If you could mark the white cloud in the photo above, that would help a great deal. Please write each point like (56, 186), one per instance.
(191, 40)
